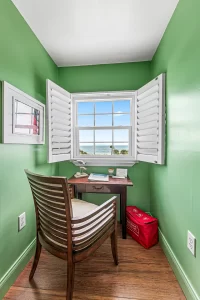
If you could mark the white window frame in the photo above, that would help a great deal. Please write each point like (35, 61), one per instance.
(10, 95)
(102, 160)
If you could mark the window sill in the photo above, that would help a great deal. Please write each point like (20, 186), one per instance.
(106, 162)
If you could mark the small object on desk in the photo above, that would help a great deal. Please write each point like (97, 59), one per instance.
(80, 175)
(110, 171)
(122, 173)
(98, 177)
(120, 177)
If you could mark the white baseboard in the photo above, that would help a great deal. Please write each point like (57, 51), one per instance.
(11, 275)
(181, 276)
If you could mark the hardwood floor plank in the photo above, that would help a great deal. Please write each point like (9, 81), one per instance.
(141, 274)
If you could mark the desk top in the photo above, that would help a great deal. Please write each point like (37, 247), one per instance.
(112, 181)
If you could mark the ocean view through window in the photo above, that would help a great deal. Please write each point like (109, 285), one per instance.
(104, 127)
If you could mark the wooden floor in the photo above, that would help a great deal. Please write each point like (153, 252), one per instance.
(141, 275)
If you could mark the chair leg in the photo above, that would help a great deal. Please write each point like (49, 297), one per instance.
(70, 280)
(114, 246)
(36, 259)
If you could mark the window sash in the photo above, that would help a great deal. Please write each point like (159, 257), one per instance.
(94, 142)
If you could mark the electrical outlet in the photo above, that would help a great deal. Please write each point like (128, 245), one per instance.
(191, 243)
(21, 221)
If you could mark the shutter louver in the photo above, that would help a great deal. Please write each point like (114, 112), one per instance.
(150, 122)
(59, 123)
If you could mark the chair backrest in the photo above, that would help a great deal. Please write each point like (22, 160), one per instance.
(53, 210)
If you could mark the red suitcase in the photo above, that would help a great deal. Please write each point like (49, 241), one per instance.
(142, 227)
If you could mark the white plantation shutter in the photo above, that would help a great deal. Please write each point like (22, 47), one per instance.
(150, 122)
(59, 123)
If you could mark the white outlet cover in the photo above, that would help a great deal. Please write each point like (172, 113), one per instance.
(191, 243)
(22, 221)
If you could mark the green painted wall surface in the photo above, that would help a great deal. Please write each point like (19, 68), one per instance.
(129, 76)
(175, 192)
(25, 64)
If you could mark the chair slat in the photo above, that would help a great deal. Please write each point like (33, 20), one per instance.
(51, 180)
(82, 225)
(53, 187)
(52, 217)
(51, 211)
(53, 235)
(50, 204)
(47, 192)
(48, 240)
(58, 251)
(50, 222)
(53, 230)
(94, 231)
(91, 241)
(88, 216)
(89, 228)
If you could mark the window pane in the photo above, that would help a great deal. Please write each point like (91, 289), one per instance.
(85, 120)
(121, 135)
(86, 149)
(103, 136)
(103, 120)
(85, 107)
(103, 149)
(103, 107)
(122, 106)
(86, 135)
(121, 149)
(121, 120)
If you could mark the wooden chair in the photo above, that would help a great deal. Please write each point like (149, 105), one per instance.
(70, 229)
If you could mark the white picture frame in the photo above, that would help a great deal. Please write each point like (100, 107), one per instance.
(11, 96)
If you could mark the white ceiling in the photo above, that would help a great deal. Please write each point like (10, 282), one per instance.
(89, 32)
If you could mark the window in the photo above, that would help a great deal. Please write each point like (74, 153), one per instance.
(110, 128)
(23, 117)
(103, 127)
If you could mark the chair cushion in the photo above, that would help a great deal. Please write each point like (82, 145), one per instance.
(81, 208)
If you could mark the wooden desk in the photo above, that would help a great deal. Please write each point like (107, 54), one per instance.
(113, 186)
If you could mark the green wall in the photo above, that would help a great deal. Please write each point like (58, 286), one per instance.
(25, 64)
(175, 193)
(129, 76)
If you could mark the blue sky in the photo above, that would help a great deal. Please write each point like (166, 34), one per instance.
(121, 117)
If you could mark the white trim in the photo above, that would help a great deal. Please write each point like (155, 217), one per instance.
(181, 276)
(105, 96)
(10, 94)
(106, 162)
(17, 267)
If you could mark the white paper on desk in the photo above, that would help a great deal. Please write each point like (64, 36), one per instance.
(122, 173)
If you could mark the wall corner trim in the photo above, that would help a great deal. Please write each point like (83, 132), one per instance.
(17, 267)
(180, 274)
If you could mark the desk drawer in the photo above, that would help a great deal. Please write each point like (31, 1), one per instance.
(98, 188)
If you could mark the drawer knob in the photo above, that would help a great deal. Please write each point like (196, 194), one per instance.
(97, 188)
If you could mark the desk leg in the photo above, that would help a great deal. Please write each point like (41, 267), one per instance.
(80, 196)
(120, 199)
(123, 197)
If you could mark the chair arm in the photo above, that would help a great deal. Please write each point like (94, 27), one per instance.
(91, 224)
(94, 212)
